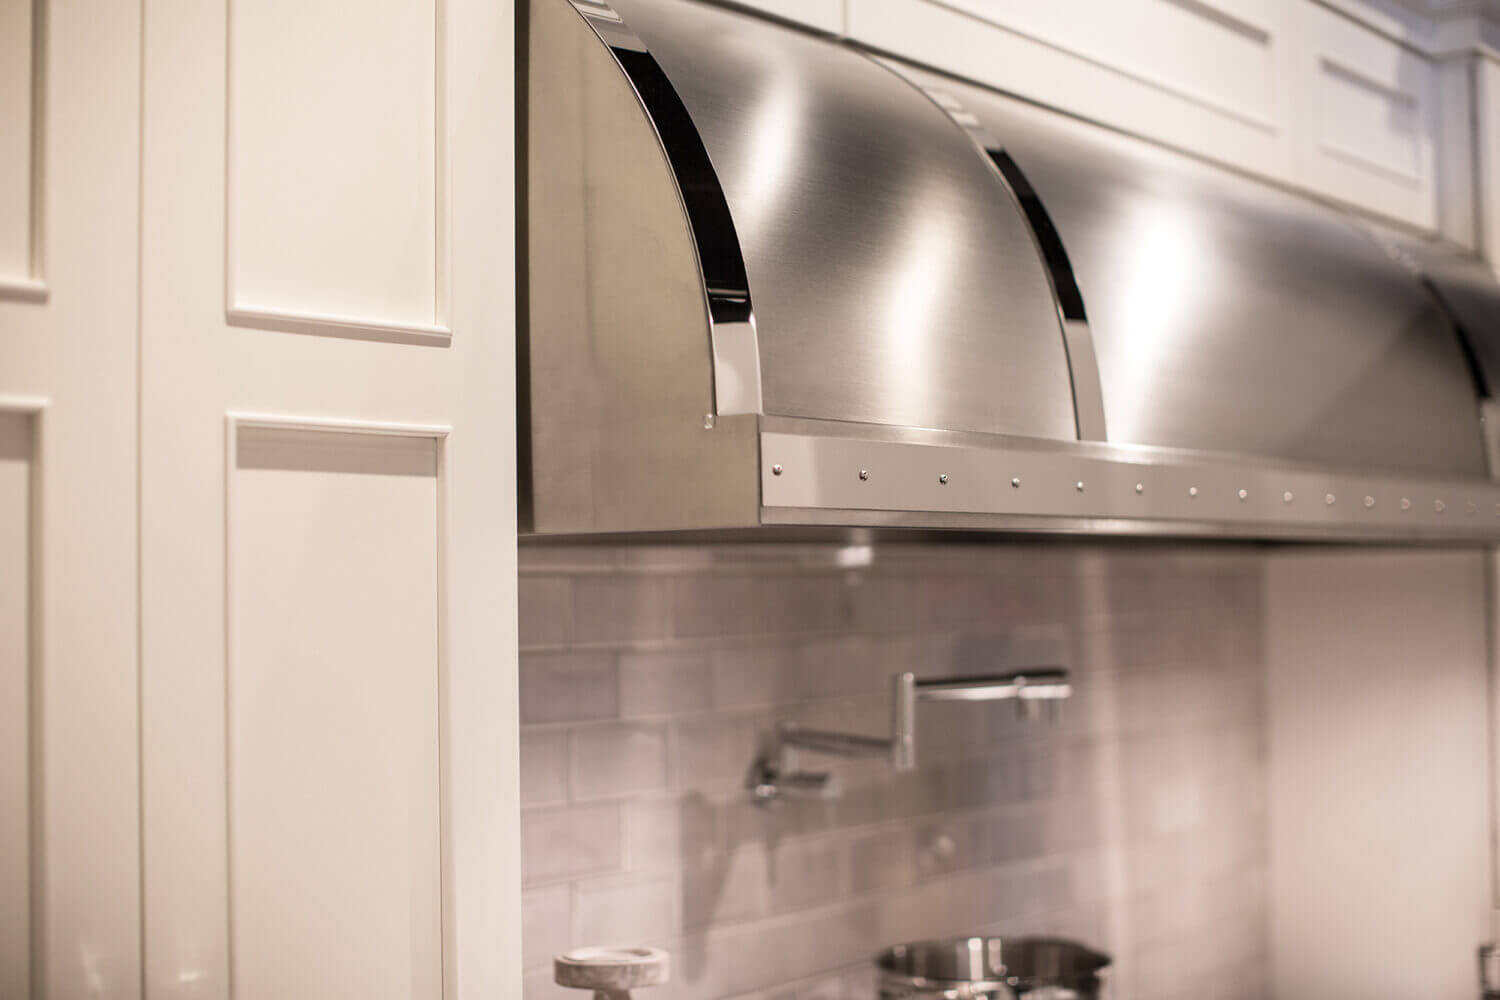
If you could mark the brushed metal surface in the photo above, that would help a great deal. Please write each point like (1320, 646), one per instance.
(940, 480)
(731, 315)
(617, 370)
(1268, 370)
(1234, 317)
(1078, 344)
(894, 279)
(1465, 286)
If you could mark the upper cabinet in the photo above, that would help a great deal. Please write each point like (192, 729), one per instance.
(1332, 98)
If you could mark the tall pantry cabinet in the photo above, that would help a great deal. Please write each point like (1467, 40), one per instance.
(257, 499)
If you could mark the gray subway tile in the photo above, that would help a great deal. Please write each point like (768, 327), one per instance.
(663, 683)
(715, 748)
(545, 609)
(881, 861)
(807, 874)
(707, 604)
(546, 922)
(629, 910)
(569, 687)
(614, 608)
(666, 830)
(578, 840)
(833, 667)
(544, 767)
(618, 759)
(724, 888)
(751, 676)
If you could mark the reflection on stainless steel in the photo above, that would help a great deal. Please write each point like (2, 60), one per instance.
(909, 361)
(619, 366)
(894, 281)
(1128, 490)
(1230, 316)
(1078, 346)
(992, 968)
(1465, 286)
(774, 772)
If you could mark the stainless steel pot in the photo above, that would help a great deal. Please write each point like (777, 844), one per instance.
(980, 968)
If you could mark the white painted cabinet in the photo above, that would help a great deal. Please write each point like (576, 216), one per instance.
(1336, 97)
(69, 155)
(327, 499)
(257, 533)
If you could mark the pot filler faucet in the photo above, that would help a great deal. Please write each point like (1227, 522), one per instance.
(774, 773)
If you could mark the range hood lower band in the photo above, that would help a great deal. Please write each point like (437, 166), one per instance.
(890, 482)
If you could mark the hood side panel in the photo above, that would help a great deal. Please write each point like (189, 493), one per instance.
(620, 370)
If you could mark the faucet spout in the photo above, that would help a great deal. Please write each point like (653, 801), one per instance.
(773, 771)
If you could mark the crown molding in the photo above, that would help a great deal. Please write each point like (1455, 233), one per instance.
(1437, 29)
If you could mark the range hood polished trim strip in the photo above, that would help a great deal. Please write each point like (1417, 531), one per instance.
(1078, 341)
(721, 262)
(950, 485)
(1073, 321)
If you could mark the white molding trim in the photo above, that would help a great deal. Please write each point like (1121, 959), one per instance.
(436, 334)
(1473, 28)
(32, 286)
(1332, 66)
(1408, 28)
(23, 289)
(1235, 21)
(29, 405)
(337, 326)
(34, 409)
(1167, 87)
(236, 421)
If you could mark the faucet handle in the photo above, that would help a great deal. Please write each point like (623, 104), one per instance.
(611, 972)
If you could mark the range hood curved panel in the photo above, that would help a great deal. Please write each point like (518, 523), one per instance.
(893, 280)
(1232, 317)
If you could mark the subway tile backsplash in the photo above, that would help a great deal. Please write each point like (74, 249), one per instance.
(1135, 823)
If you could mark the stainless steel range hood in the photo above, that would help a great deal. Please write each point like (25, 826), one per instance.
(770, 280)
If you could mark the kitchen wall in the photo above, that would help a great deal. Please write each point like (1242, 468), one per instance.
(1137, 823)
(1380, 786)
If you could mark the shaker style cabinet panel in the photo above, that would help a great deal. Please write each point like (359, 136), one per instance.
(69, 821)
(327, 500)
(1366, 125)
(257, 516)
(21, 64)
(1287, 89)
(334, 713)
(1487, 160)
(336, 171)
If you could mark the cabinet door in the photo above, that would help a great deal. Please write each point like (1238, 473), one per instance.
(328, 499)
(69, 156)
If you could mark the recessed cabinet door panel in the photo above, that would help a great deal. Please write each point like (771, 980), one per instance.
(333, 716)
(17, 104)
(335, 173)
(328, 678)
(16, 758)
